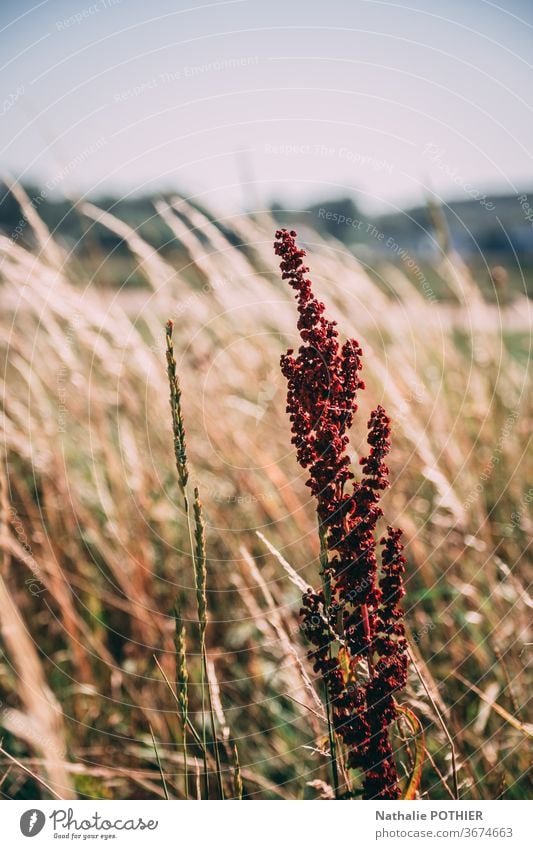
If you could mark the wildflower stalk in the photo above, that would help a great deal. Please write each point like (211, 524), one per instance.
(159, 765)
(182, 678)
(194, 733)
(237, 778)
(197, 547)
(355, 615)
(178, 427)
(201, 602)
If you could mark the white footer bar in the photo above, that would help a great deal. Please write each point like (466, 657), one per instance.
(267, 825)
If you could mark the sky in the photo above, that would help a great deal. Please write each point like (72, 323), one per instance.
(242, 102)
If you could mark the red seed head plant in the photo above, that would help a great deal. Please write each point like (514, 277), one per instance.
(354, 621)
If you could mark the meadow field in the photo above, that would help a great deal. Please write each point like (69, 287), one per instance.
(95, 546)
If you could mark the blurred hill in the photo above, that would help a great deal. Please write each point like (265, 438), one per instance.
(494, 233)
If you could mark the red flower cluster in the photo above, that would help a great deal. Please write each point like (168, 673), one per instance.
(354, 621)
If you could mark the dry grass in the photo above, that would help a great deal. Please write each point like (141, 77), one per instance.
(95, 542)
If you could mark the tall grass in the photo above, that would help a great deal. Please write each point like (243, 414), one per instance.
(94, 529)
